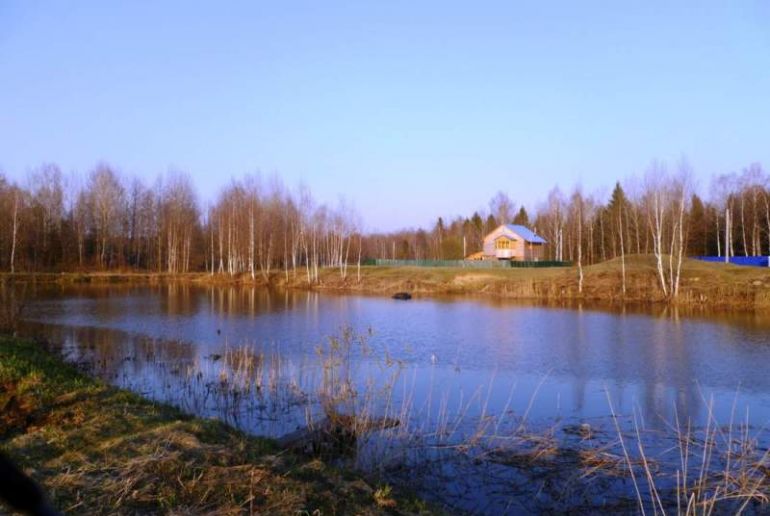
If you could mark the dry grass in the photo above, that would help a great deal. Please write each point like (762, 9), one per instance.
(104, 450)
(717, 470)
(703, 284)
(101, 450)
(683, 470)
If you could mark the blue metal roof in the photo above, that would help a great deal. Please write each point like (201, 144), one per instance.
(526, 233)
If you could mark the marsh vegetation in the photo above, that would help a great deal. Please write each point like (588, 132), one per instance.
(516, 412)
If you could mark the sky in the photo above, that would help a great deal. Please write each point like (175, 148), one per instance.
(408, 110)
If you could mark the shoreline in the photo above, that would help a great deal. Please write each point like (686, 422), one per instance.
(68, 430)
(703, 284)
(96, 448)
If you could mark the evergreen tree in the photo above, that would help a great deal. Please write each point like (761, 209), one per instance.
(521, 218)
(491, 224)
(618, 200)
(697, 243)
(438, 233)
(616, 220)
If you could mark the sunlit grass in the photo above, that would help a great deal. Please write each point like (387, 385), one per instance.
(712, 285)
(98, 449)
(93, 444)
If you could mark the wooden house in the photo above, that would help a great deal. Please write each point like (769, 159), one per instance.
(514, 242)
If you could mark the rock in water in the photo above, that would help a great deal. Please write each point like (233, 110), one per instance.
(402, 295)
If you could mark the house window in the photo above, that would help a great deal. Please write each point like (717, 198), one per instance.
(503, 243)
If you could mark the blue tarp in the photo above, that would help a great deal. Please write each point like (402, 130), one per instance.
(753, 261)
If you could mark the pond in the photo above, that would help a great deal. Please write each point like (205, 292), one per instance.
(465, 378)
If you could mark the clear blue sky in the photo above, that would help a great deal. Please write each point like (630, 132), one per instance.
(408, 109)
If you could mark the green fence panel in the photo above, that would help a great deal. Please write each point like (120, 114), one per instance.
(471, 264)
(544, 263)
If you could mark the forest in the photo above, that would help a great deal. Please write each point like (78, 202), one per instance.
(106, 221)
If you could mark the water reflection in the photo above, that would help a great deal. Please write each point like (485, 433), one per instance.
(662, 360)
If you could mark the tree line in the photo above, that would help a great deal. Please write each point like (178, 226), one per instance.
(658, 212)
(603, 227)
(105, 221)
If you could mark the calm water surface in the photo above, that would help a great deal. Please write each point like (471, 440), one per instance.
(432, 363)
(568, 358)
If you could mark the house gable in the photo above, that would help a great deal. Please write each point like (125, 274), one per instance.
(513, 242)
(515, 232)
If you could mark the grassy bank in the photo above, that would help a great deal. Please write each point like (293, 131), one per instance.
(713, 285)
(99, 449)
